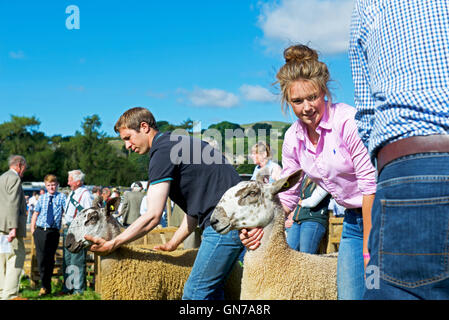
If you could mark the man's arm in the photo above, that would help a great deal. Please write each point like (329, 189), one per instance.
(156, 199)
(187, 226)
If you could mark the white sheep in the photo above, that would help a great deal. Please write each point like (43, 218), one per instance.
(133, 273)
(273, 271)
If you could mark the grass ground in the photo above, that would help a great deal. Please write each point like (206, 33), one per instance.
(33, 294)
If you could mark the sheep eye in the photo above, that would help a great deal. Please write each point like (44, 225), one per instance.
(253, 193)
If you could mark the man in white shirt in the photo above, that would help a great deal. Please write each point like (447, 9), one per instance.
(74, 264)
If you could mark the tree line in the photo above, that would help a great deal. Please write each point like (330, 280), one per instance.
(104, 162)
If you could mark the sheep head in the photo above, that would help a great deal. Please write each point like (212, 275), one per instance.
(95, 221)
(250, 204)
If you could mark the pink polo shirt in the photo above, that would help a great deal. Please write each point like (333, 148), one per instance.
(340, 163)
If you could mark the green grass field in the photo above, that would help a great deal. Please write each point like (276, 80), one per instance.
(33, 294)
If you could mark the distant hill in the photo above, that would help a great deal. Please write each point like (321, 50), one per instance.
(275, 124)
(279, 125)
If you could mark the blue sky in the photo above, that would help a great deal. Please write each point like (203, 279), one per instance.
(209, 61)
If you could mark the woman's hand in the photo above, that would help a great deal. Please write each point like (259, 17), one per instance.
(251, 237)
(289, 221)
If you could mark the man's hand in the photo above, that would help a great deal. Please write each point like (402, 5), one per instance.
(12, 235)
(251, 237)
(169, 246)
(100, 245)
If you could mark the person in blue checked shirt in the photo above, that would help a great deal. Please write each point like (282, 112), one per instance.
(45, 226)
(399, 53)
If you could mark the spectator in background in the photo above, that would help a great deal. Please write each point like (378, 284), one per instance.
(12, 227)
(96, 195)
(115, 193)
(106, 195)
(309, 221)
(74, 264)
(132, 200)
(45, 226)
(143, 209)
(31, 205)
(261, 155)
(337, 210)
(27, 199)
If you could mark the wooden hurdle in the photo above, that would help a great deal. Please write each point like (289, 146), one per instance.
(335, 229)
(30, 266)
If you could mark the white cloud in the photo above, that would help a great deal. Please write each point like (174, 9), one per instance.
(154, 94)
(76, 88)
(256, 93)
(17, 55)
(211, 98)
(322, 24)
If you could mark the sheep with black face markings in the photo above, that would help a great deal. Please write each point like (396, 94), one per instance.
(133, 273)
(274, 270)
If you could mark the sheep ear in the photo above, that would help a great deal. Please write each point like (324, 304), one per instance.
(112, 205)
(286, 183)
(263, 175)
(97, 202)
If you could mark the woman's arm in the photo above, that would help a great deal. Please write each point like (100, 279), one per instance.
(367, 204)
(317, 196)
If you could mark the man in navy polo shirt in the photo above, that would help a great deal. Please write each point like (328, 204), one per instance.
(194, 176)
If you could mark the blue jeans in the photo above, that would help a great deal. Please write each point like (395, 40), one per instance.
(216, 258)
(305, 237)
(350, 268)
(409, 239)
(74, 269)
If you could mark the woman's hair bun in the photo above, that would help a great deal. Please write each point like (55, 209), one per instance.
(299, 53)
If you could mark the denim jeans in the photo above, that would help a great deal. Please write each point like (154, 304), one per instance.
(305, 237)
(216, 257)
(350, 268)
(409, 239)
(74, 269)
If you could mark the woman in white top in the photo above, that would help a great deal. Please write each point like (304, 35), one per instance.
(261, 155)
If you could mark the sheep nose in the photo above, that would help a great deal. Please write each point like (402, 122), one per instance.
(213, 221)
(72, 245)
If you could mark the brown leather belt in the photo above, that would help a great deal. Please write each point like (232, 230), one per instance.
(412, 145)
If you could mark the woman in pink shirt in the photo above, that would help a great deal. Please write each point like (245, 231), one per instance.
(325, 144)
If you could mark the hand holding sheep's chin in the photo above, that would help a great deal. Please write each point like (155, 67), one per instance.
(251, 237)
(100, 245)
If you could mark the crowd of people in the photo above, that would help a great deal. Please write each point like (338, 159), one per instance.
(384, 163)
(48, 214)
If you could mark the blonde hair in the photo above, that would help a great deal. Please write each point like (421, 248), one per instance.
(301, 63)
(50, 178)
(260, 147)
(133, 117)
